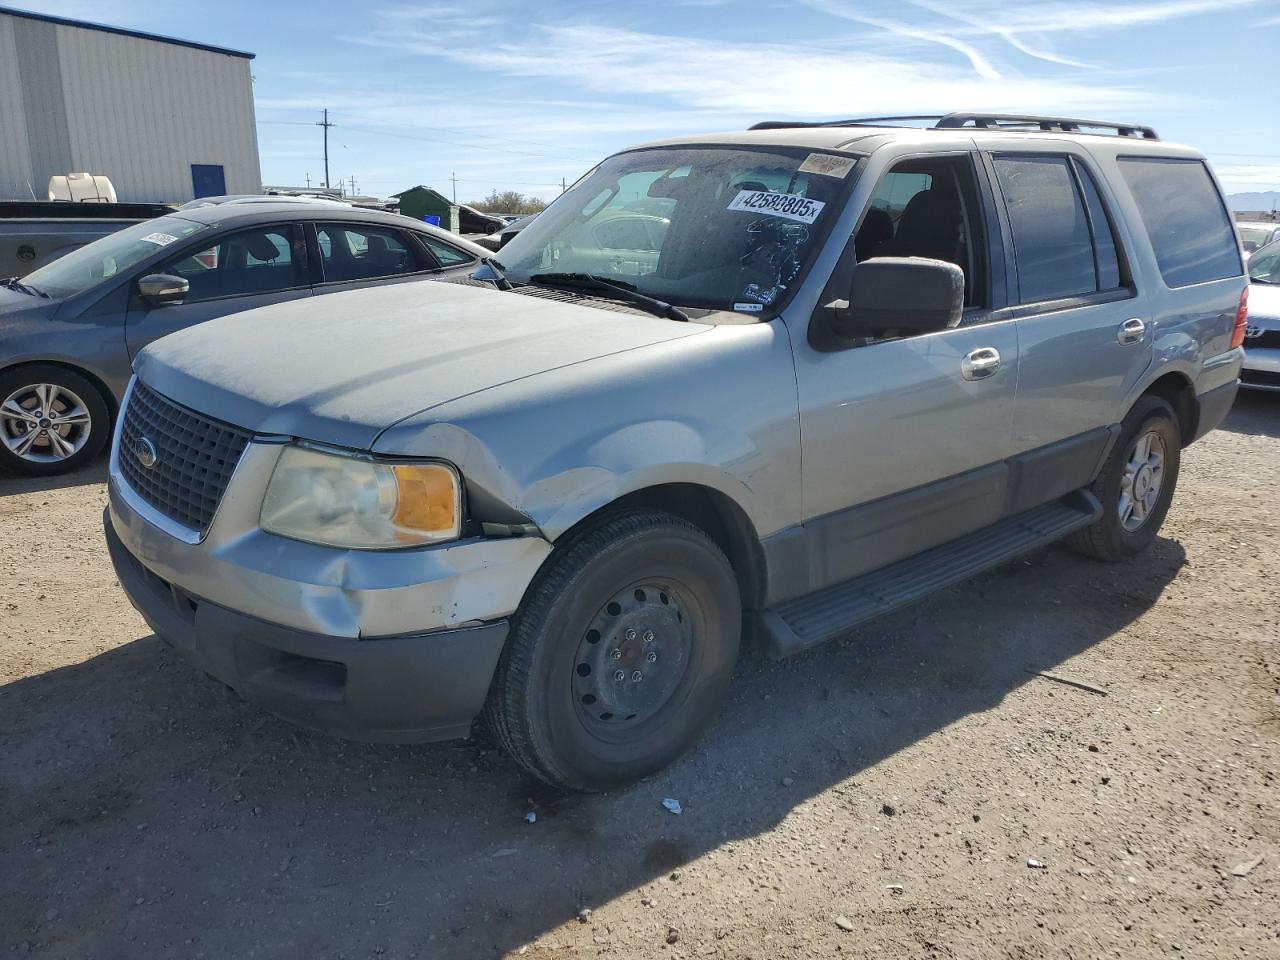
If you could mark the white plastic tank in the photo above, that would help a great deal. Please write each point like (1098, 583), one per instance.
(82, 188)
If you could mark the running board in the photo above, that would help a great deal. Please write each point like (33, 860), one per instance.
(806, 621)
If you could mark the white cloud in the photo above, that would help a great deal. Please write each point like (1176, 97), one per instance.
(764, 78)
(1248, 175)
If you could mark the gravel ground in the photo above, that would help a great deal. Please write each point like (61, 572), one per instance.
(915, 791)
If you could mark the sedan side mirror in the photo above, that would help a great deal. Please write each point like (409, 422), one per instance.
(159, 289)
(905, 295)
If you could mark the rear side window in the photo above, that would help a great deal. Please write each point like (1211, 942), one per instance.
(1052, 246)
(1193, 238)
(361, 252)
(1104, 237)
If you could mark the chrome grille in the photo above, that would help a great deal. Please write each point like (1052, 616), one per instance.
(194, 457)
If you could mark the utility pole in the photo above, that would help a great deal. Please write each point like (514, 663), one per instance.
(453, 178)
(562, 186)
(308, 179)
(326, 124)
(353, 186)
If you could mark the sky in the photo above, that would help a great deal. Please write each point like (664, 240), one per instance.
(519, 96)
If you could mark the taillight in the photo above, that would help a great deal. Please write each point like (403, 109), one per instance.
(1242, 319)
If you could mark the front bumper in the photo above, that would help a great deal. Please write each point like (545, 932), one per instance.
(400, 689)
(1261, 368)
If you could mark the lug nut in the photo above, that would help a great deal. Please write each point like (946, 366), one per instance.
(637, 676)
(648, 636)
(619, 675)
(630, 634)
(652, 657)
(615, 654)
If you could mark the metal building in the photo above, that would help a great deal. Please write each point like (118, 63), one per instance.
(166, 120)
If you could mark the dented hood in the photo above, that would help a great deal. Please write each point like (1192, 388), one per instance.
(341, 368)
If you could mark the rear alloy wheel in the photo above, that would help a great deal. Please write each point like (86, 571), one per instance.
(1136, 485)
(620, 654)
(52, 420)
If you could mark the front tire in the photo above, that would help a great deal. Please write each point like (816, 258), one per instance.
(52, 420)
(620, 654)
(1136, 484)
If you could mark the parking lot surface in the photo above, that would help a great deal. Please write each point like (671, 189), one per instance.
(917, 790)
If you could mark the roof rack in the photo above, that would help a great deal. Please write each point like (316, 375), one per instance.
(1012, 123)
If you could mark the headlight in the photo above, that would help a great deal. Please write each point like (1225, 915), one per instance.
(348, 501)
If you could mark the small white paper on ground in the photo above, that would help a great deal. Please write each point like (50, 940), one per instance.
(673, 806)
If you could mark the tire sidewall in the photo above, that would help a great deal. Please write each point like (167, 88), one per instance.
(99, 413)
(1153, 415)
(704, 582)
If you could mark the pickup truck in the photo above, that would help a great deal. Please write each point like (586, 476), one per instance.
(35, 232)
(775, 381)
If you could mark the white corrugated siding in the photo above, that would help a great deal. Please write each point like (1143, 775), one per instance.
(15, 155)
(142, 112)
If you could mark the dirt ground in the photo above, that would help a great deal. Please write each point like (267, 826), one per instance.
(914, 791)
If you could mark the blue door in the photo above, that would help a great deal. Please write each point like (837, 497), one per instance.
(207, 180)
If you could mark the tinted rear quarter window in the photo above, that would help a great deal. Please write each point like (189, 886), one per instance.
(1184, 216)
(1052, 247)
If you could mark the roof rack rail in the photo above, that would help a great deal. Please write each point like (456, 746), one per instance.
(1015, 122)
(980, 121)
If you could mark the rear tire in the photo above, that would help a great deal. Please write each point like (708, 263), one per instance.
(620, 654)
(52, 420)
(1135, 485)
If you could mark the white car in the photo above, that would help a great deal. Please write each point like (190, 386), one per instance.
(1262, 335)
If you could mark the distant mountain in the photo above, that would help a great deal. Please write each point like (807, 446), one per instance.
(1267, 200)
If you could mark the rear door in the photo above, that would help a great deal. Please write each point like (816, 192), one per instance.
(1084, 329)
(238, 271)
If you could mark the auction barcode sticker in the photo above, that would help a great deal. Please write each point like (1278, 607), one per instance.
(160, 239)
(787, 205)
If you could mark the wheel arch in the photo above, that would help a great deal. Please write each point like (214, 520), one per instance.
(1177, 390)
(709, 509)
(99, 384)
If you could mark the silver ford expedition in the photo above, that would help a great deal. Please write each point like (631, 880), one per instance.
(778, 381)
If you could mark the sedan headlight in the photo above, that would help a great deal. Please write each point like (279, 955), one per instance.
(354, 502)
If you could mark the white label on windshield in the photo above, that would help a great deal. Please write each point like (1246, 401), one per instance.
(827, 165)
(159, 239)
(786, 205)
(748, 307)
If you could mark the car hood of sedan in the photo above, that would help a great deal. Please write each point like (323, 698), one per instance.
(341, 368)
(1264, 305)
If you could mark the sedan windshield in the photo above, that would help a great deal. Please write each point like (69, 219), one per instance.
(109, 257)
(718, 228)
(1254, 237)
(1264, 266)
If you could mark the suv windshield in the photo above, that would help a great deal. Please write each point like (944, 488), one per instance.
(106, 258)
(720, 228)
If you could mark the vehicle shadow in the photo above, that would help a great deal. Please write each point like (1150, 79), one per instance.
(95, 471)
(144, 812)
(1255, 412)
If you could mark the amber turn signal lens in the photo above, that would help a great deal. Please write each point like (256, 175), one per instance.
(427, 499)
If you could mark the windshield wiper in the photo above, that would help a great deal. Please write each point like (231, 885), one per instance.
(13, 283)
(499, 275)
(620, 291)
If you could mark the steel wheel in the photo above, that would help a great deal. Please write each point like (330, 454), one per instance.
(631, 659)
(44, 423)
(1141, 481)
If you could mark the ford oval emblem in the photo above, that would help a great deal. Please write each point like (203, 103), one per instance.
(145, 451)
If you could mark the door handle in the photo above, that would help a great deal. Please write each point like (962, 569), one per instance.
(1132, 331)
(980, 363)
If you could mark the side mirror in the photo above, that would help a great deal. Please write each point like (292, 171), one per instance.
(159, 289)
(906, 295)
